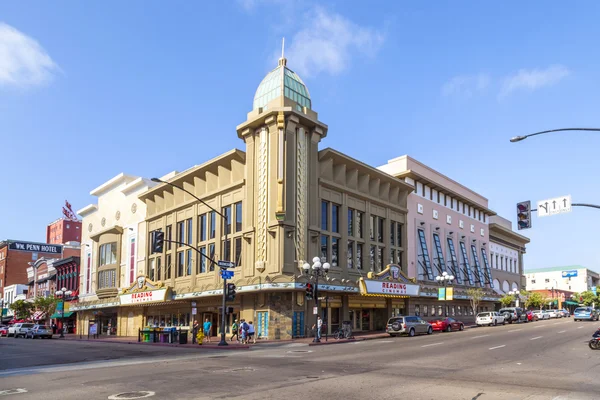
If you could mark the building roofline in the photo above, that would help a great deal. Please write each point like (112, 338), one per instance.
(558, 268)
(87, 210)
(509, 232)
(103, 188)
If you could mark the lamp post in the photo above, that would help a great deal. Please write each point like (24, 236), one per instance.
(517, 294)
(445, 279)
(317, 270)
(223, 341)
(519, 138)
(62, 293)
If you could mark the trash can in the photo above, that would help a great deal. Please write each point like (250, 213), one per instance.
(183, 337)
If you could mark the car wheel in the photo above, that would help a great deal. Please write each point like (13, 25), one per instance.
(391, 334)
(449, 328)
(429, 331)
(411, 332)
(462, 327)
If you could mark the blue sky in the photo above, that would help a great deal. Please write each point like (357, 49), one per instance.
(92, 89)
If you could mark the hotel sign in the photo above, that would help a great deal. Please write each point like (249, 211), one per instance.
(144, 297)
(36, 247)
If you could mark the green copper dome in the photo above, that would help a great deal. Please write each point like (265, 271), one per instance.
(271, 87)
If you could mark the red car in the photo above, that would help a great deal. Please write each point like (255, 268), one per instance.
(3, 331)
(531, 316)
(447, 324)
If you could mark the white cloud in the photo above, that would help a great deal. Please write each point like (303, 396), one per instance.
(534, 79)
(23, 62)
(326, 42)
(466, 85)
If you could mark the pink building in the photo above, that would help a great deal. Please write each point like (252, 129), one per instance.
(448, 231)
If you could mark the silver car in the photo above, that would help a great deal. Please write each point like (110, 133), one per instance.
(541, 314)
(39, 331)
(408, 325)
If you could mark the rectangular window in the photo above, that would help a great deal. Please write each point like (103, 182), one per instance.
(189, 258)
(425, 310)
(439, 256)
(359, 224)
(392, 256)
(350, 254)
(459, 310)
(180, 232)
(454, 261)
(392, 233)
(372, 227)
(426, 263)
(169, 235)
(180, 264)
(372, 252)
(335, 218)
(399, 235)
(108, 254)
(158, 269)
(226, 211)
(380, 264)
(202, 228)
(238, 251)
(151, 269)
(226, 249)
(380, 222)
(189, 230)
(88, 272)
(466, 265)
(359, 253)
(168, 267)
(211, 254)
(334, 251)
(324, 215)
(417, 310)
(202, 262)
(324, 246)
(213, 224)
(238, 216)
(350, 222)
(132, 260)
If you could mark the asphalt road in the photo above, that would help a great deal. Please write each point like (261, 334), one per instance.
(541, 360)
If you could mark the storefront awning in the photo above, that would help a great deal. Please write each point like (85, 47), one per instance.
(39, 315)
(59, 315)
(571, 303)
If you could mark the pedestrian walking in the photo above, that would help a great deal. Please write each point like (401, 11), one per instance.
(245, 327)
(235, 331)
(195, 328)
(251, 336)
(317, 329)
(207, 328)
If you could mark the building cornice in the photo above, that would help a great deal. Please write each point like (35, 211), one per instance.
(519, 239)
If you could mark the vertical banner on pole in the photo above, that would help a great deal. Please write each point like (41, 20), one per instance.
(449, 293)
(441, 293)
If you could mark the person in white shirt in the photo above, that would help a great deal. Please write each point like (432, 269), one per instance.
(251, 331)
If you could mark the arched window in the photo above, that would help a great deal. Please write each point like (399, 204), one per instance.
(505, 287)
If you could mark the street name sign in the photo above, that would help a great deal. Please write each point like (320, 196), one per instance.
(226, 274)
(225, 264)
(557, 205)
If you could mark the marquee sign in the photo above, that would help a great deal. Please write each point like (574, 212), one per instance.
(390, 282)
(143, 290)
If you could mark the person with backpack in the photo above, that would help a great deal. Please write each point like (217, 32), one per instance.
(235, 331)
(245, 328)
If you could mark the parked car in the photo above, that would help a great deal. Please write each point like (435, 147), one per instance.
(409, 325)
(566, 313)
(541, 314)
(531, 316)
(3, 330)
(513, 314)
(39, 331)
(447, 325)
(554, 314)
(489, 318)
(585, 313)
(19, 329)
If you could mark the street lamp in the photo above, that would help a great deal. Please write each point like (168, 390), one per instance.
(313, 273)
(62, 293)
(223, 341)
(519, 138)
(445, 279)
(516, 293)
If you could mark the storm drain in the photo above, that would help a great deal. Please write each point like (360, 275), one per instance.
(131, 395)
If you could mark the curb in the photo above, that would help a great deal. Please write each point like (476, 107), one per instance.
(185, 346)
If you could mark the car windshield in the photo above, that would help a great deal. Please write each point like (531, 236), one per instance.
(483, 314)
(583, 309)
(27, 326)
(43, 327)
(392, 320)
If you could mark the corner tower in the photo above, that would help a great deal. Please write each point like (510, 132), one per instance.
(282, 133)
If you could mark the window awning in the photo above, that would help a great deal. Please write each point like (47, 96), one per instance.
(59, 315)
(571, 303)
(39, 315)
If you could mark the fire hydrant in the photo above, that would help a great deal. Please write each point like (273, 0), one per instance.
(200, 337)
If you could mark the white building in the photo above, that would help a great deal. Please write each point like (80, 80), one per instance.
(573, 278)
(13, 293)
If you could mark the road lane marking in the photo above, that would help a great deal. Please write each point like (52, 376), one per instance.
(561, 332)
(537, 337)
(497, 347)
(537, 326)
(516, 330)
(579, 327)
(385, 341)
(132, 395)
(558, 323)
(12, 391)
(433, 344)
(480, 336)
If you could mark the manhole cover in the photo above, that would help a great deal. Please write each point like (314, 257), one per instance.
(131, 395)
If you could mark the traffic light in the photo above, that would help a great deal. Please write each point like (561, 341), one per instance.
(309, 291)
(230, 292)
(524, 215)
(158, 240)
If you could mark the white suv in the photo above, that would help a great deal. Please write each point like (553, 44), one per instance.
(19, 329)
(489, 318)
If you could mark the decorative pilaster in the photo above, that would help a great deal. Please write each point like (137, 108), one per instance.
(262, 198)
(301, 195)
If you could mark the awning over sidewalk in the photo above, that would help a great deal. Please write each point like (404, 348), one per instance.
(59, 315)
(571, 303)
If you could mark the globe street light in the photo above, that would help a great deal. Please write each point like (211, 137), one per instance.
(313, 272)
(62, 293)
(445, 279)
(517, 294)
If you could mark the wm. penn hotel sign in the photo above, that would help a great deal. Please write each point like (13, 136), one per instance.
(35, 247)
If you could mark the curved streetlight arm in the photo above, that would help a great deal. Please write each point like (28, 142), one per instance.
(519, 138)
(157, 180)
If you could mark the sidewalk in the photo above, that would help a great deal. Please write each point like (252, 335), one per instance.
(134, 340)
